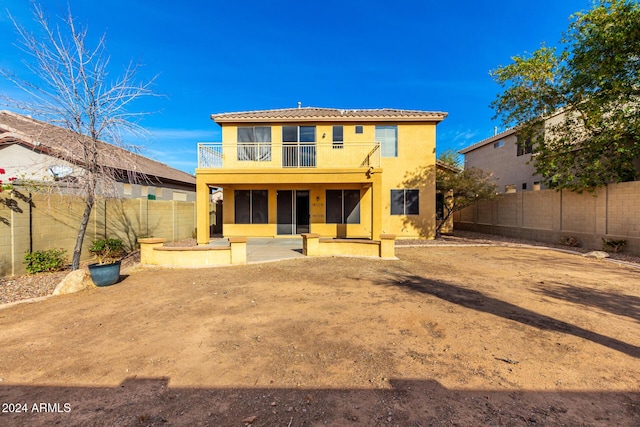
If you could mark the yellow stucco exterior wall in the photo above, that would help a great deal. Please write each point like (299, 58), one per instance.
(412, 169)
(317, 202)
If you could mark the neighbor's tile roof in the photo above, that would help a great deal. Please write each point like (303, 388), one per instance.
(442, 165)
(48, 138)
(330, 114)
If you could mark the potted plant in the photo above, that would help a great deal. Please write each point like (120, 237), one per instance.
(108, 252)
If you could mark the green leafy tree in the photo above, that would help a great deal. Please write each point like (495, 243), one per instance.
(461, 188)
(580, 104)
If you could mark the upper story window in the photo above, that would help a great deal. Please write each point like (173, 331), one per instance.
(498, 144)
(338, 136)
(298, 134)
(254, 143)
(359, 129)
(524, 147)
(387, 136)
(254, 134)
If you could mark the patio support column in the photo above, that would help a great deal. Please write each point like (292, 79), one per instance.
(376, 205)
(202, 210)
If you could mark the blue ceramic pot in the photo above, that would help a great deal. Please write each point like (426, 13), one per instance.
(105, 274)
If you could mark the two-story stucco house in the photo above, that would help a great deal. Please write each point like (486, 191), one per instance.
(507, 159)
(337, 173)
(511, 159)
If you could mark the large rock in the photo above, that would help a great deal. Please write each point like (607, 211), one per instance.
(73, 282)
(596, 254)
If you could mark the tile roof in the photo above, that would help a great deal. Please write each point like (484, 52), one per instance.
(48, 138)
(330, 114)
(442, 165)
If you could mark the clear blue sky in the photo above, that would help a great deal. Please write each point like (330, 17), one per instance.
(223, 56)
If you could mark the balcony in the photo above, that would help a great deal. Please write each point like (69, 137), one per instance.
(264, 155)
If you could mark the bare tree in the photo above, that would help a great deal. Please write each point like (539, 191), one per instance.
(71, 88)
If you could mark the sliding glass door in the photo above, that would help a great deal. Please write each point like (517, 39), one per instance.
(292, 212)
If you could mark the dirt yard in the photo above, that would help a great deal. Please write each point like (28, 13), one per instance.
(444, 336)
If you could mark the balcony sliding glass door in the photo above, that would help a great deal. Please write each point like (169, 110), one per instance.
(254, 143)
(299, 146)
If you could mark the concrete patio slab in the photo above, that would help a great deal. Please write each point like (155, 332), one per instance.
(263, 249)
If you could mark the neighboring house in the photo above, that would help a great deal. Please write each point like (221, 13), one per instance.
(509, 162)
(216, 196)
(337, 173)
(28, 151)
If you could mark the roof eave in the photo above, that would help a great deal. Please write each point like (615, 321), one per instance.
(487, 141)
(426, 119)
(157, 179)
(11, 135)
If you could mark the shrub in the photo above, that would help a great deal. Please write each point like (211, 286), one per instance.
(49, 260)
(614, 246)
(569, 241)
(107, 250)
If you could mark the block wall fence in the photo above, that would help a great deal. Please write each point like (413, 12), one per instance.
(611, 212)
(39, 222)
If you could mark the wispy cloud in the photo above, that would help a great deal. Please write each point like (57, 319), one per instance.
(460, 137)
(179, 158)
(184, 134)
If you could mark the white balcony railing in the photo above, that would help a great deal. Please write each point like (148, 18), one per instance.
(261, 155)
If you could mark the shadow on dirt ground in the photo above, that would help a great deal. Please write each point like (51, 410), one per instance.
(475, 300)
(152, 402)
(613, 302)
(463, 336)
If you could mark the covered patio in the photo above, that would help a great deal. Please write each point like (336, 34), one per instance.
(263, 249)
